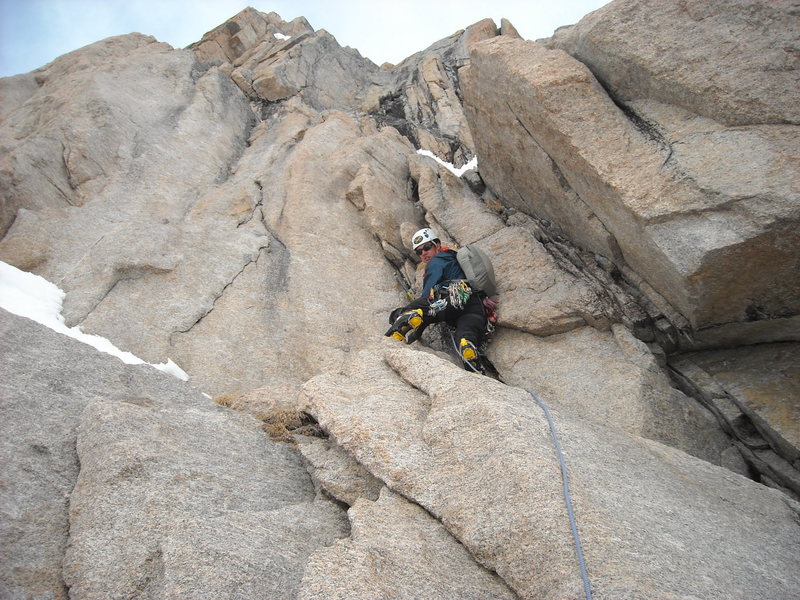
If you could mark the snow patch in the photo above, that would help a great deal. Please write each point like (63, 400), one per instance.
(31, 296)
(472, 164)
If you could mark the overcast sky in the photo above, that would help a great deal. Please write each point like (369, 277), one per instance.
(34, 32)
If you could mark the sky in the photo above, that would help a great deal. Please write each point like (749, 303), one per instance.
(34, 32)
(32, 296)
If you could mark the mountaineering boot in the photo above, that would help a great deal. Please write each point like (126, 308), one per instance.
(413, 335)
(469, 352)
(415, 318)
(406, 322)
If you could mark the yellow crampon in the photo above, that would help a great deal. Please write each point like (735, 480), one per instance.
(406, 322)
(469, 351)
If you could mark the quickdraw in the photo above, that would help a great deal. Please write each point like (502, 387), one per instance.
(455, 293)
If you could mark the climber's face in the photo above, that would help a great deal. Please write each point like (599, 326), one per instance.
(428, 251)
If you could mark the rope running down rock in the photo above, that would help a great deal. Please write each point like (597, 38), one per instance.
(564, 477)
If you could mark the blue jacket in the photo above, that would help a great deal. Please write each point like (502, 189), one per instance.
(442, 267)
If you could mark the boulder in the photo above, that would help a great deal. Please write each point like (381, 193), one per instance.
(139, 484)
(246, 30)
(733, 61)
(457, 443)
(719, 255)
(418, 558)
(611, 378)
(754, 392)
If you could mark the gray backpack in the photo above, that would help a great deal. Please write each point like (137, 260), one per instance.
(478, 268)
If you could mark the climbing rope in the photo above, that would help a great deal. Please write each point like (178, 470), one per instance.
(567, 499)
(564, 477)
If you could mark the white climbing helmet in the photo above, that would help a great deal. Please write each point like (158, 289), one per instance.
(423, 236)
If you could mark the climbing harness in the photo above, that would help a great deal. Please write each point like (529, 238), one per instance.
(564, 477)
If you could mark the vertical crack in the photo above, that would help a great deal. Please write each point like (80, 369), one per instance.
(256, 207)
(222, 292)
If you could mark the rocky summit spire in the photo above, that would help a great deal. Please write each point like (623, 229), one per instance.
(244, 207)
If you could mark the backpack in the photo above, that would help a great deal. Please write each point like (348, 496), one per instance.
(478, 269)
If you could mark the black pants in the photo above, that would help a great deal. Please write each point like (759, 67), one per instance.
(470, 321)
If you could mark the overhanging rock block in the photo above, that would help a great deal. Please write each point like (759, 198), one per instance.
(716, 255)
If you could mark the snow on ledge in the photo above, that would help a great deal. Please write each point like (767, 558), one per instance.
(473, 164)
(31, 296)
(281, 36)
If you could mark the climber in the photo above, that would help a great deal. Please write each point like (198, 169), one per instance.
(446, 296)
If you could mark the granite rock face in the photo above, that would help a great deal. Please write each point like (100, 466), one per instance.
(674, 66)
(755, 393)
(96, 127)
(610, 378)
(244, 31)
(130, 482)
(716, 237)
(418, 558)
(454, 442)
(244, 207)
(189, 253)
